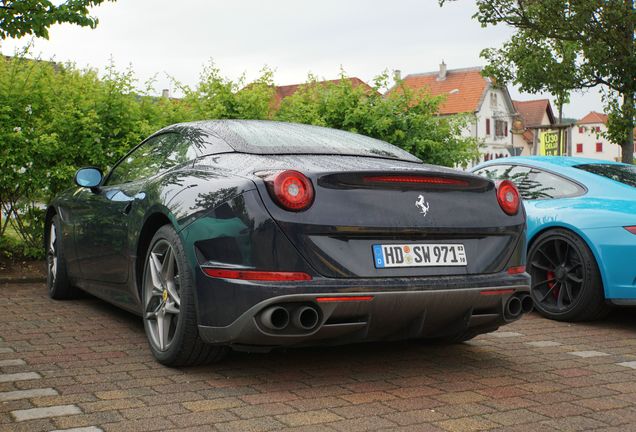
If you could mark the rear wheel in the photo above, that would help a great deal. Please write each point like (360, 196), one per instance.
(170, 317)
(56, 276)
(566, 282)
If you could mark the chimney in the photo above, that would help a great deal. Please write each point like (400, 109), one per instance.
(165, 93)
(442, 71)
(397, 75)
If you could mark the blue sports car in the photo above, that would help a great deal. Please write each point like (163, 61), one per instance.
(581, 232)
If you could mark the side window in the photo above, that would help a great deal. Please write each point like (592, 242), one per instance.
(178, 150)
(553, 186)
(532, 183)
(156, 155)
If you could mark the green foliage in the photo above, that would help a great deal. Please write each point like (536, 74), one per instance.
(405, 118)
(56, 118)
(564, 46)
(34, 17)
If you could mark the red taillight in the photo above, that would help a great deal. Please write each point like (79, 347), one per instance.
(292, 190)
(415, 179)
(496, 292)
(516, 270)
(343, 299)
(508, 197)
(631, 229)
(256, 275)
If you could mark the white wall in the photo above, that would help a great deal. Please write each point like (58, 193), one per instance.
(494, 110)
(589, 137)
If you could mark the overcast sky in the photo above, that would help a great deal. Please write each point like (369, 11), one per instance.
(293, 37)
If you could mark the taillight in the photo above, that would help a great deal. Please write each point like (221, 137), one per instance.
(631, 229)
(415, 179)
(508, 197)
(255, 275)
(516, 270)
(291, 190)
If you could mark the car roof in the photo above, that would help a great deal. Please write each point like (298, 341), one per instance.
(551, 161)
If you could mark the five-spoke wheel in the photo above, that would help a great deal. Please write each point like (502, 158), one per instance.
(162, 299)
(167, 293)
(56, 278)
(566, 283)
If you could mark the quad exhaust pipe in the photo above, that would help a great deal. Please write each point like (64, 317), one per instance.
(278, 318)
(518, 305)
(275, 318)
(305, 318)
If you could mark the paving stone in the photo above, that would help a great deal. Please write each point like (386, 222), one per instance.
(588, 354)
(21, 376)
(12, 362)
(505, 334)
(543, 344)
(629, 364)
(27, 394)
(80, 429)
(38, 413)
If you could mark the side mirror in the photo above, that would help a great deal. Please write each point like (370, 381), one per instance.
(88, 177)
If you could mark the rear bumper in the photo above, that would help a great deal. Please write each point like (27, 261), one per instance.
(397, 309)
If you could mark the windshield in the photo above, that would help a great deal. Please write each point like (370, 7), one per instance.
(625, 174)
(265, 137)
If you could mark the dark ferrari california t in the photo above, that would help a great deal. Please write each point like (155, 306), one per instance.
(258, 234)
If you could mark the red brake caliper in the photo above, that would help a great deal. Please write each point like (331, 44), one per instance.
(555, 292)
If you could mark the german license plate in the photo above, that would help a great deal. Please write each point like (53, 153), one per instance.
(419, 255)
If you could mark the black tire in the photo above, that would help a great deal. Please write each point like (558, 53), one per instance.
(566, 281)
(185, 348)
(57, 280)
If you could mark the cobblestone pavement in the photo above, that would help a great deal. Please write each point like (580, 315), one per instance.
(84, 366)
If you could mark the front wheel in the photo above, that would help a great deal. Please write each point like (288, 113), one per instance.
(57, 279)
(566, 282)
(170, 317)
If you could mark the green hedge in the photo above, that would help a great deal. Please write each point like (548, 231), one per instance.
(56, 118)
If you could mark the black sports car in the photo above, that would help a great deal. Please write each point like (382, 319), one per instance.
(255, 234)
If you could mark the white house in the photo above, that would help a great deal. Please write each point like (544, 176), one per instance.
(467, 91)
(588, 141)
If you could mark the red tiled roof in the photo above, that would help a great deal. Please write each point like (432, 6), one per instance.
(281, 92)
(532, 111)
(593, 117)
(463, 88)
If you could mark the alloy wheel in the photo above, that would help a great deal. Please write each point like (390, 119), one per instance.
(51, 256)
(162, 295)
(558, 275)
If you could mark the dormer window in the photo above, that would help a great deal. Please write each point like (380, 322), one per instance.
(493, 99)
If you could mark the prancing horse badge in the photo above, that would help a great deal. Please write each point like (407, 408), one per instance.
(422, 205)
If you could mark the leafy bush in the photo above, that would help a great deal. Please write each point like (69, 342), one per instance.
(56, 118)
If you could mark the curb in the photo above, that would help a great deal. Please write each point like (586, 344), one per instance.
(22, 280)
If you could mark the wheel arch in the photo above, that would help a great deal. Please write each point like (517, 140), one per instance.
(48, 217)
(599, 263)
(151, 225)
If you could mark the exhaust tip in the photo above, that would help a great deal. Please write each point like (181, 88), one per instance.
(527, 304)
(306, 318)
(275, 318)
(513, 308)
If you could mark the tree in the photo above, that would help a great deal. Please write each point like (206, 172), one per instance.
(563, 46)
(34, 17)
(405, 118)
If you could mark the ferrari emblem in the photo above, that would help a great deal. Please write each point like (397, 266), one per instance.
(422, 204)
(164, 295)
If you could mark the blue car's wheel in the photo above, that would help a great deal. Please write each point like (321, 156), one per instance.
(566, 283)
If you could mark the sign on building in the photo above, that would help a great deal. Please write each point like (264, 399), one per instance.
(549, 143)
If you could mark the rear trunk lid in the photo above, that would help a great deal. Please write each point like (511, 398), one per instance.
(370, 214)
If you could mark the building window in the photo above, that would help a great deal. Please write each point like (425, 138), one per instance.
(598, 128)
(493, 100)
(581, 129)
(501, 128)
(487, 126)
(579, 148)
(599, 147)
